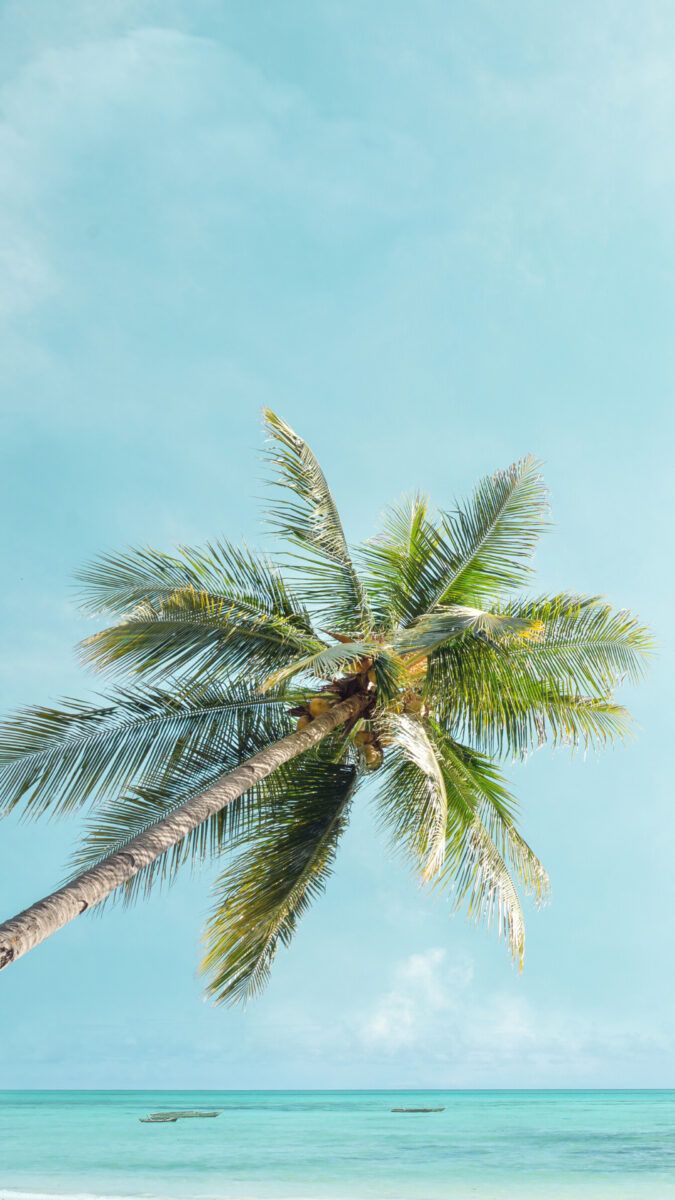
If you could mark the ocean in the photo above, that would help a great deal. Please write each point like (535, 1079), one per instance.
(500, 1145)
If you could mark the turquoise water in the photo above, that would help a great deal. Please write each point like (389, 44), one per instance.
(340, 1145)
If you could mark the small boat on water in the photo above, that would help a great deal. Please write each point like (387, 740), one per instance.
(162, 1118)
(417, 1110)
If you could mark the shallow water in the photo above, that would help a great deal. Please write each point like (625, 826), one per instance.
(341, 1145)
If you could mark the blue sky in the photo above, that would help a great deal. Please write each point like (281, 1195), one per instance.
(434, 237)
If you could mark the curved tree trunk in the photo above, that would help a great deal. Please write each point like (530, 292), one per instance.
(34, 924)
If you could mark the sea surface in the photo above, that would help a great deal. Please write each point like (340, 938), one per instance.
(505, 1145)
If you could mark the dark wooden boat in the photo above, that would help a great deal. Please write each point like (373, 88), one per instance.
(417, 1110)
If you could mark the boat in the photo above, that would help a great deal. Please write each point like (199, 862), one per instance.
(161, 1118)
(417, 1110)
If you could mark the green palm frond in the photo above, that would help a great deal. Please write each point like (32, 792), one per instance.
(412, 798)
(515, 728)
(402, 564)
(466, 558)
(486, 695)
(476, 782)
(553, 683)
(118, 583)
(324, 663)
(493, 537)
(435, 788)
(485, 850)
(310, 522)
(215, 610)
(432, 631)
(583, 642)
(264, 892)
(196, 633)
(57, 759)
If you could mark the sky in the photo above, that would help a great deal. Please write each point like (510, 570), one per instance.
(434, 237)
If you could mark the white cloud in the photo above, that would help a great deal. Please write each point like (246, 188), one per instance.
(434, 1025)
(422, 990)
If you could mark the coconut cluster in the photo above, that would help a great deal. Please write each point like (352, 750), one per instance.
(316, 707)
(361, 678)
(371, 747)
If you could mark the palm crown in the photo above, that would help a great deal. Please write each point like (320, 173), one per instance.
(451, 670)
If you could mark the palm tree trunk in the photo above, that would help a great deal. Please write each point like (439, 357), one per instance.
(34, 924)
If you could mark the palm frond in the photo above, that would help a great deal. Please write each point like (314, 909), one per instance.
(492, 538)
(262, 895)
(324, 663)
(465, 558)
(57, 759)
(481, 880)
(412, 799)
(433, 630)
(310, 521)
(197, 633)
(402, 564)
(553, 682)
(485, 849)
(583, 642)
(119, 583)
(479, 788)
(485, 546)
(486, 695)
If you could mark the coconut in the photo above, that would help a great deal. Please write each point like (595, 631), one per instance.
(319, 705)
(373, 756)
(413, 703)
(364, 737)
(303, 722)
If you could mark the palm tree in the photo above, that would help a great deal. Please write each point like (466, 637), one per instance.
(258, 709)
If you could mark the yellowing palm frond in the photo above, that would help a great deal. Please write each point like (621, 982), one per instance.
(413, 801)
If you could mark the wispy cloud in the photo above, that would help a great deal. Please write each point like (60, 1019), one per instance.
(435, 1020)
(423, 989)
(433, 1025)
